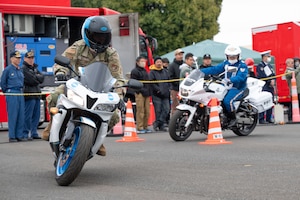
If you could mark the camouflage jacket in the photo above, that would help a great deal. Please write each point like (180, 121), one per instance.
(81, 55)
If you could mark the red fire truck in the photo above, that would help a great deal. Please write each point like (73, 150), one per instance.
(284, 42)
(50, 26)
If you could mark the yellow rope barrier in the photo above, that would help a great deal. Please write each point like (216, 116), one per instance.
(23, 94)
(162, 81)
(277, 76)
(143, 81)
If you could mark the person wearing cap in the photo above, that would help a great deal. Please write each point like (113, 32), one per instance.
(32, 80)
(291, 67)
(187, 66)
(235, 80)
(160, 93)
(142, 96)
(206, 62)
(265, 71)
(251, 67)
(174, 73)
(12, 81)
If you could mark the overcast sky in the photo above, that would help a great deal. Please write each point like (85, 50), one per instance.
(237, 17)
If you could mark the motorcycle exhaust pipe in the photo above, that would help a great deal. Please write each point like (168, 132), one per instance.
(244, 121)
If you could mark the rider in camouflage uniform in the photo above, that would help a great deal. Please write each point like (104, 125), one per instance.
(94, 47)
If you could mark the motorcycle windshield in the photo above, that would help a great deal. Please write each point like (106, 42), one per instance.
(193, 77)
(97, 77)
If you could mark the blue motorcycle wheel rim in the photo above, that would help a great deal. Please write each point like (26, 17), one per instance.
(65, 158)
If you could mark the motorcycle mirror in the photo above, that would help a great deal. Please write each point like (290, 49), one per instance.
(61, 60)
(65, 62)
(134, 84)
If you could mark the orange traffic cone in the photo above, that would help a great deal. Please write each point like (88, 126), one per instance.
(151, 119)
(295, 105)
(214, 128)
(130, 134)
(118, 128)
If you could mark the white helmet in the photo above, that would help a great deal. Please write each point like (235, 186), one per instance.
(232, 50)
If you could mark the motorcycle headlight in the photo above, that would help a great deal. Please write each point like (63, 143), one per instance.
(105, 107)
(75, 98)
(184, 92)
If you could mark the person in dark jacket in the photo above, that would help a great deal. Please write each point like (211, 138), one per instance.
(265, 70)
(160, 93)
(206, 62)
(129, 95)
(32, 80)
(142, 96)
(166, 63)
(174, 73)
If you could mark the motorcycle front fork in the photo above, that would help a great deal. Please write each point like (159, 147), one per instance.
(57, 121)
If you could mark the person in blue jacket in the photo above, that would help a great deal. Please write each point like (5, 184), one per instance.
(12, 81)
(235, 80)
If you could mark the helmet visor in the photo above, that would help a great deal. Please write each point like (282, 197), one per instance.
(232, 57)
(99, 38)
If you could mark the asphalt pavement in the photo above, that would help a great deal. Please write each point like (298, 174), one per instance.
(264, 165)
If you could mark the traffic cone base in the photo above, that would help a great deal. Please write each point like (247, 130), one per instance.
(130, 134)
(216, 140)
(214, 135)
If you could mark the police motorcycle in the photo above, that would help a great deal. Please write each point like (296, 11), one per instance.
(80, 119)
(193, 112)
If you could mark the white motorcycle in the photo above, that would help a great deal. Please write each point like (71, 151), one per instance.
(80, 119)
(195, 93)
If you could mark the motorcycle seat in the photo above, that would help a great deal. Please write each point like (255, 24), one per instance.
(245, 94)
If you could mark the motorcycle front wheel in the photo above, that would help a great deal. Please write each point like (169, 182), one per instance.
(71, 160)
(177, 130)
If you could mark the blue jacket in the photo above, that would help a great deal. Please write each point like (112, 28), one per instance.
(238, 78)
(12, 78)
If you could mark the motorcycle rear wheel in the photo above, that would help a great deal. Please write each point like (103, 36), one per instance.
(177, 131)
(245, 130)
(71, 161)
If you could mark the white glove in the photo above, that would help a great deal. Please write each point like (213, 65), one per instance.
(227, 83)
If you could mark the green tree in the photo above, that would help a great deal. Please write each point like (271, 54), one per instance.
(174, 23)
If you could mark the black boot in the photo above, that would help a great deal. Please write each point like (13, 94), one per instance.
(232, 117)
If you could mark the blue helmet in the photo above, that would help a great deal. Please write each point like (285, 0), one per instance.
(96, 33)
